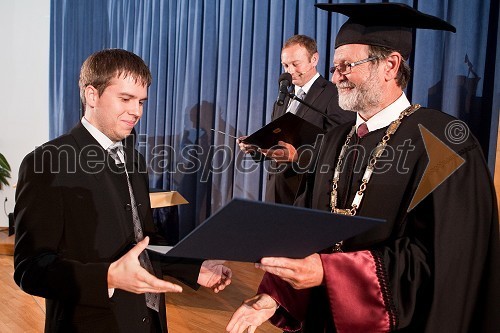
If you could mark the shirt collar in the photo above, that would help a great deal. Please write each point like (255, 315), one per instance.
(305, 88)
(100, 137)
(386, 116)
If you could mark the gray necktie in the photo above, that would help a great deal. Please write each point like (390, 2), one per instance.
(152, 299)
(294, 104)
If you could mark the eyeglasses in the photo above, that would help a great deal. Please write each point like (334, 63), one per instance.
(346, 67)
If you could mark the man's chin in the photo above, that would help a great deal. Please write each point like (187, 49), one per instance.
(121, 136)
(345, 105)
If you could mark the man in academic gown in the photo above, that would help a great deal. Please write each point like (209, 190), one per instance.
(433, 265)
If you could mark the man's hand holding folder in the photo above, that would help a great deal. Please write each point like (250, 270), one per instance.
(288, 128)
(300, 273)
(283, 152)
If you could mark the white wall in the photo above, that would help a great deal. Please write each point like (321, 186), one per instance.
(24, 84)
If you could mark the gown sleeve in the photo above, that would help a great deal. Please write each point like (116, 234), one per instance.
(292, 302)
(435, 269)
(436, 273)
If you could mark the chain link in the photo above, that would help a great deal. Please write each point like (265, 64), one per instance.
(378, 151)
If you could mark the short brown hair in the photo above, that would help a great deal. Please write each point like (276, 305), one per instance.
(404, 71)
(102, 66)
(305, 41)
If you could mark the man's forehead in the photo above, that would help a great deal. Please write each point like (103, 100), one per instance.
(294, 53)
(129, 78)
(350, 51)
(128, 85)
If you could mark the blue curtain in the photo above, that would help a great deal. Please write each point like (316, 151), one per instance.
(215, 65)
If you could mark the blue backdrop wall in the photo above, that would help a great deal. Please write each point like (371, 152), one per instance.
(215, 65)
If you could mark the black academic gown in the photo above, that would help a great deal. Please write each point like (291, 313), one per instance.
(431, 269)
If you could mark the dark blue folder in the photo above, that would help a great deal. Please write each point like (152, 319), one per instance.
(245, 230)
(289, 128)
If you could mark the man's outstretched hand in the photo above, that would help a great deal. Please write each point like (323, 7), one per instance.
(127, 274)
(214, 275)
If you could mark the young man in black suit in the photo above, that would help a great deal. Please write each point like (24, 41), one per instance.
(299, 57)
(83, 216)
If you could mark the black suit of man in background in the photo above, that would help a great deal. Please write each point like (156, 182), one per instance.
(282, 180)
(299, 57)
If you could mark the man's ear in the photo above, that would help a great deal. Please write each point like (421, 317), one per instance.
(91, 96)
(392, 63)
(315, 58)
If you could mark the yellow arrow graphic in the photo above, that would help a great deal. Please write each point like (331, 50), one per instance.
(443, 162)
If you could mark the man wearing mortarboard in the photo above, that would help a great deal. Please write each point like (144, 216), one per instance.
(433, 265)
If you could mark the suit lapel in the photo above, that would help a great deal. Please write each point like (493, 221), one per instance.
(316, 90)
(93, 159)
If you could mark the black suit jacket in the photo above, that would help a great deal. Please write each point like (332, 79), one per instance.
(283, 180)
(73, 219)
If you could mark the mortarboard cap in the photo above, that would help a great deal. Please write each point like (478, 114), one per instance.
(382, 24)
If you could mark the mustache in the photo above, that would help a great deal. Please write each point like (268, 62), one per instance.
(345, 84)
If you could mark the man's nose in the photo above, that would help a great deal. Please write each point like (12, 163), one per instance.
(336, 77)
(136, 109)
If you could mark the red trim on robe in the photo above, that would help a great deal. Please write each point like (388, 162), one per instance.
(293, 303)
(354, 291)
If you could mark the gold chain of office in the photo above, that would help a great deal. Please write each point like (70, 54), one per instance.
(377, 152)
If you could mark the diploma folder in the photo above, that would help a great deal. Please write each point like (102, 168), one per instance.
(289, 128)
(247, 231)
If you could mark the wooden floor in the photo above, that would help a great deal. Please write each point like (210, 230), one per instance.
(192, 311)
(6, 242)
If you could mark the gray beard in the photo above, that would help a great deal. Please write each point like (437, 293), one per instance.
(363, 97)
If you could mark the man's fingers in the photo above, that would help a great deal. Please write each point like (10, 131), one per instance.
(172, 288)
(279, 153)
(223, 283)
(227, 274)
(165, 286)
(263, 301)
(278, 262)
(153, 284)
(139, 247)
(284, 144)
(235, 319)
(226, 279)
(278, 271)
(212, 263)
(238, 327)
